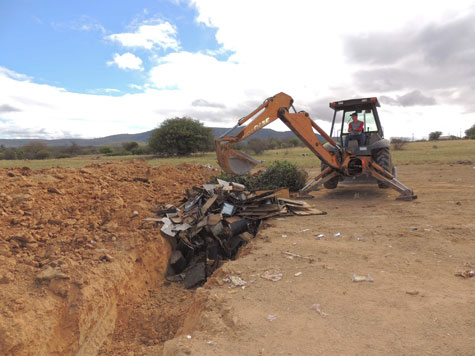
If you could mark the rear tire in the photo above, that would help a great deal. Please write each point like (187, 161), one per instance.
(383, 158)
(332, 183)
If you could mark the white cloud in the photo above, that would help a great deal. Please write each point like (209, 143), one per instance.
(82, 23)
(149, 35)
(298, 49)
(126, 61)
(14, 75)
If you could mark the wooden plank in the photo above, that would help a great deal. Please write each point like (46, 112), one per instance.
(208, 204)
(293, 202)
(307, 212)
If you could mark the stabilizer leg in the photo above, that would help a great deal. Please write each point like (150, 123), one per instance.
(384, 176)
(322, 178)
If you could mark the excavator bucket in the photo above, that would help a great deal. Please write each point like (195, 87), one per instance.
(236, 162)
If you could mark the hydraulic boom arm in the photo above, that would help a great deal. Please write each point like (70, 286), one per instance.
(276, 107)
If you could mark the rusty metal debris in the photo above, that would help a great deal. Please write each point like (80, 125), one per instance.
(214, 221)
(466, 274)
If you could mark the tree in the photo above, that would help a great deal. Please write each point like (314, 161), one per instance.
(433, 136)
(257, 145)
(294, 142)
(181, 136)
(74, 149)
(470, 133)
(129, 146)
(10, 153)
(272, 144)
(36, 150)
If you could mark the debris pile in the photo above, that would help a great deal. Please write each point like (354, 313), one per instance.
(214, 221)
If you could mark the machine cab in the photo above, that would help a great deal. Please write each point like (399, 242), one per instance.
(367, 113)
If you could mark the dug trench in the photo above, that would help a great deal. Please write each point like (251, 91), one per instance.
(211, 226)
(81, 269)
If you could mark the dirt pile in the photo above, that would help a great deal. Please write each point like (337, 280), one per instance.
(75, 251)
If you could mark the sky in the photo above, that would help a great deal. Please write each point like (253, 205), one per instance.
(91, 68)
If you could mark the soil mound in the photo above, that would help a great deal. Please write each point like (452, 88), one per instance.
(75, 250)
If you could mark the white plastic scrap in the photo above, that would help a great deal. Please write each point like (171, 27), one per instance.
(271, 317)
(237, 281)
(337, 234)
(316, 307)
(223, 183)
(167, 227)
(357, 278)
(272, 276)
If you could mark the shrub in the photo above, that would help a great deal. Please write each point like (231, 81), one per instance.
(63, 155)
(42, 154)
(106, 150)
(130, 146)
(282, 174)
(398, 143)
(256, 145)
(10, 154)
(118, 153)
(141, 150)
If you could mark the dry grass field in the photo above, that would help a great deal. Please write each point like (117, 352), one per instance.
(412, 152)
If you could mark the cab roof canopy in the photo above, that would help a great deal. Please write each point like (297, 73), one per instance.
(354, 104)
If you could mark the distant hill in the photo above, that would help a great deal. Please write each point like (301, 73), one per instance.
(102, 141)
(139, 137)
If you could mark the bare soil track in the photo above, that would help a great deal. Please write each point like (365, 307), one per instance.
(105, 292)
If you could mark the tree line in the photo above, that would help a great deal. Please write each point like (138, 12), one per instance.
(39, 151)
(174, 137)
(469, 133)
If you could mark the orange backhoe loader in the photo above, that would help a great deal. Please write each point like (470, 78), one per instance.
(339, 163)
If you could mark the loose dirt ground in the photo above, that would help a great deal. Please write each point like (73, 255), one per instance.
(81, 272)
(414, 306)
